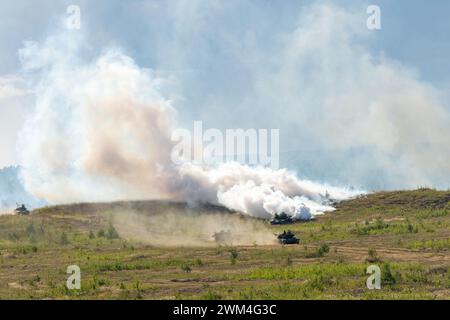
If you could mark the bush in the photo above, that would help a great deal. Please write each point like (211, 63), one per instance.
(321, 282)
(199, 262)
(412, 228)
(370, 228)
(138, 289)
(319, 252)
(387, 277)
(186, 268)
(372, 256)
(323, 249)
(210, 295)
(112, 232)
(64, 239)
(233, 256)
(289, 260)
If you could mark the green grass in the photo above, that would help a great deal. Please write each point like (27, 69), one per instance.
(406, 233)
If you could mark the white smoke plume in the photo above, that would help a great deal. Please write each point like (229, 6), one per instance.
(259, 192)
(101, 132)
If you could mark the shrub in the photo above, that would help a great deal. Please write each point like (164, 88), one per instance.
(210, 295)
(372, 256)
(186, 268)
(112, 232)
(34, 280)
(323, 249)
(199, 262)
(387, 277)
(321, 282)
(138, 289)
(412, 228)
(289, 260)
(233, 256)
(64, 239)
(370, 228)
(319, 252)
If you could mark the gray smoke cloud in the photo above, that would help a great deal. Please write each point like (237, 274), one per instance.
(354, 116)
(347, 113)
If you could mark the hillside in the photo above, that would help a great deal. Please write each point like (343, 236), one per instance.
(165, 250)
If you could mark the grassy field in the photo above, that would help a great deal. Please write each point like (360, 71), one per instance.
(406, 233)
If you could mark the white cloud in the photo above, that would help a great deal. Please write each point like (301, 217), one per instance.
(12, 86)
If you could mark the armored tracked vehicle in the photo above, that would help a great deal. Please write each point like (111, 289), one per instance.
(288, 238)
(281, 218)
(21, 210)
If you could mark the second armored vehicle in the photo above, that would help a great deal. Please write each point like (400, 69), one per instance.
(281, 218)
(288, 238)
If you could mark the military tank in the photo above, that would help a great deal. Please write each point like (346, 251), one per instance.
(21, 210)
(223, 237)
(288, 238)
(281, 218)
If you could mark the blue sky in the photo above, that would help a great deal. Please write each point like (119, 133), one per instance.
(414, 32)
(235, 63)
